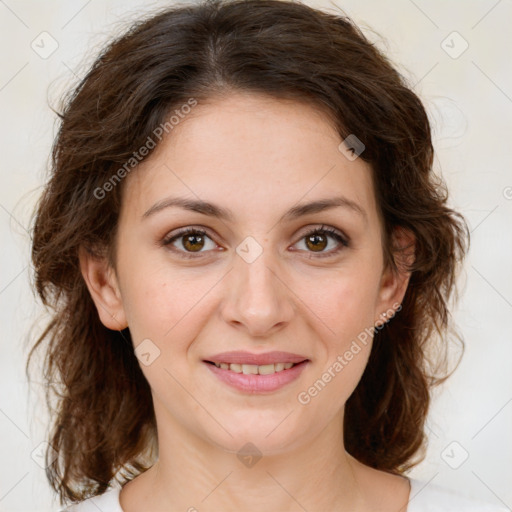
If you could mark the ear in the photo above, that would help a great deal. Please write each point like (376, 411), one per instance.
(102, 283)
(393, 283)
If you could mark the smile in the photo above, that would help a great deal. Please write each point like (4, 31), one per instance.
(253, 369)
(250, 378)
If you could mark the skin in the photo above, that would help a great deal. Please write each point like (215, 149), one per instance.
(242, 152)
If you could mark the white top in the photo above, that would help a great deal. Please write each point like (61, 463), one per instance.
(424, 497)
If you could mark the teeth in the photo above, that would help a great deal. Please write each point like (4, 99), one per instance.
(266, 369)
(253, 369)
(250, 369)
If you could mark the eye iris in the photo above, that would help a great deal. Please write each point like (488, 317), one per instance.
(195, 238)
(315, 240)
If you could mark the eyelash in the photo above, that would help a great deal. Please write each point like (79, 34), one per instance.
(167, 241)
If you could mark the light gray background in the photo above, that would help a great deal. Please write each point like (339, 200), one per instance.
(469, 98)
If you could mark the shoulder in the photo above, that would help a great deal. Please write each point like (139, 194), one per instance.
(106, 502)
(428, 497)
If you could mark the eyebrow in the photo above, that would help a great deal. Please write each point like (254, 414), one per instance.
(213, 210)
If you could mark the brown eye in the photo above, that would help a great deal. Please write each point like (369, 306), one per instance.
(316, 242)
(193, 243)
(189, 241)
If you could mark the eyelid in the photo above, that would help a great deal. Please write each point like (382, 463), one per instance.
(330, 231)
(168, 240)
(342, 240)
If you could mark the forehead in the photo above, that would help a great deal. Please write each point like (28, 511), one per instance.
(252, 152)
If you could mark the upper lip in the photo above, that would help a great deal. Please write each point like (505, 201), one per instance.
(241, 357)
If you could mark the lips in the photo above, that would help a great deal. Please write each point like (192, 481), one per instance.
(252, 382)
(249, 358)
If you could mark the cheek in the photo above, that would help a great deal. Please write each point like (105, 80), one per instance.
(167, 306)
(349, 315)
(153, 308)
(344, 302)
(344, 373)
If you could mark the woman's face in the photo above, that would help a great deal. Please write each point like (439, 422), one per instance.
(257, 280)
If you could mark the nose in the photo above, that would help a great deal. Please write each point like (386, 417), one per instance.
(258, 299)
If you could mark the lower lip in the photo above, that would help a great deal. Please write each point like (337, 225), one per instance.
(258, 383)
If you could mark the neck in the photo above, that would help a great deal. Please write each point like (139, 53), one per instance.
(192, 473)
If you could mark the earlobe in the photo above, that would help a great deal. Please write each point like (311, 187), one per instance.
(394, 283)
(102, 283)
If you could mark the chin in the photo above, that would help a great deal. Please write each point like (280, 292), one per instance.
(271, 437)
(256, 445)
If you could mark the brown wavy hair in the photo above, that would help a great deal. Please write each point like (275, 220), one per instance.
(103, 424)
